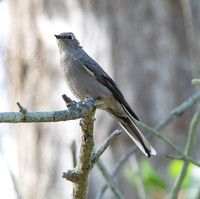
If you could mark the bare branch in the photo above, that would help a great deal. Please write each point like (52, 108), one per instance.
(97, 155)
(110, 181)
(188, 159)
(84, 109)
(75, 111)
(138, 179)
(169, 142)
(74, 152)
(177, 112)
(71, 175)
(188, 152)
(79, 175)
(66, 99)
(21, 108)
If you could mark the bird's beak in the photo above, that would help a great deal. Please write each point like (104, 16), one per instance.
(58, 36)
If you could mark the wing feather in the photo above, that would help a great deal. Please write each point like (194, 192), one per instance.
(96, 71)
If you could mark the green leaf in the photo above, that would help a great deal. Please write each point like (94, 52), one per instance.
(174, 169)
(150, 177)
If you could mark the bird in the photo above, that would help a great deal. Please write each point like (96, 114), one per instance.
(85, 77)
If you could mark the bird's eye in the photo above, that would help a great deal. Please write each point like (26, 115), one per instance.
(70, 37)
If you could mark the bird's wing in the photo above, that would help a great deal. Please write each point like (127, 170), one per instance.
(97, 72)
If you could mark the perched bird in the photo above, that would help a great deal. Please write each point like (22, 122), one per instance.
(85, 77)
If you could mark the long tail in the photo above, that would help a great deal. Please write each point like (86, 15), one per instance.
(133, 131)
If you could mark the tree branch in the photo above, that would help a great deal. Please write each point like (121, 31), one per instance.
(109, 180)
(188, 152)
(74, 152)
(97, 155)
(87, 160)
(86, 110)
(79, 175)
(188, 159)
(177, 112)
(75, 110)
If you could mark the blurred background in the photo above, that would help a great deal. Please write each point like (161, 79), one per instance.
(150, 48)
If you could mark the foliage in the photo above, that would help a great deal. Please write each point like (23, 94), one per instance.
(174, 169)
(151, 180)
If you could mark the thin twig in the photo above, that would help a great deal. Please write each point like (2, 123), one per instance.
(177, 112)
(161, 136)
(66, 99)
(188, 159)
(188, 152)
(138, 179)
(96, 155)
(95, 159)
(21, 108)
(74, 152)
(169, 142)
(110, 180)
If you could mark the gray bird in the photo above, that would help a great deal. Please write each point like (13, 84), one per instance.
(85, 77)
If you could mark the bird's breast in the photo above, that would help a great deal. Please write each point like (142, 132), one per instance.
(80, 82)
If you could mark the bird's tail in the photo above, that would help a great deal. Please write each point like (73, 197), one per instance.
(133, 131)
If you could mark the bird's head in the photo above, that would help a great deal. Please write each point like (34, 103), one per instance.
(67, 40)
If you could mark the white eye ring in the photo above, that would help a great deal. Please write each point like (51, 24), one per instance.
(70, 37)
